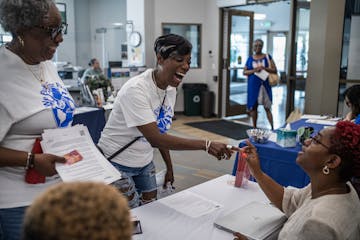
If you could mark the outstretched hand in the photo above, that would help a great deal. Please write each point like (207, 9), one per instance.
(221, 151)
(252, 158)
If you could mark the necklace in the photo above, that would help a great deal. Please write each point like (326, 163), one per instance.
(40, 77)
(157, 91)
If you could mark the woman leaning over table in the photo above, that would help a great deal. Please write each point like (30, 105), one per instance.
(32, 99)
(329, 207)
(144, 108)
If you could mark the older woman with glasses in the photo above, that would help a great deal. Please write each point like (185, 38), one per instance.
(33, 98)
(329, 207)
(352, 100)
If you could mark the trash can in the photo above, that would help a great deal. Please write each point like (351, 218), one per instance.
(207, 103)
(192, 98)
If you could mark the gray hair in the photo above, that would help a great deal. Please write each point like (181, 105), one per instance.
(18, 14)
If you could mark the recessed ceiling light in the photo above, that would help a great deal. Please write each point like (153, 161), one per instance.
(259, 16)
(117, 24)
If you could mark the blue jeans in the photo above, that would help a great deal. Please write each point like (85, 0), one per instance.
(11, 220)
(143, 178)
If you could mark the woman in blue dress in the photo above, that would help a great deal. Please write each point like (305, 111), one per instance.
(259, 90)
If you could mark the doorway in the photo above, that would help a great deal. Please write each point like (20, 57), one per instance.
(237, 45)
(284, 28)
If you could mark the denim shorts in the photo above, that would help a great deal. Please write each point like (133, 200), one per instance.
(143, 177)
(11, 220)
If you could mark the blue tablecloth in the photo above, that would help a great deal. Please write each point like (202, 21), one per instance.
(280, 163)
(94, 119)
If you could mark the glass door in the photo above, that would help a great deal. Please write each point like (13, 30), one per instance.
(237, 45)
(298, 56)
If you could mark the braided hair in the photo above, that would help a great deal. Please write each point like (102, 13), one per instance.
(345, 142)
(172, 44)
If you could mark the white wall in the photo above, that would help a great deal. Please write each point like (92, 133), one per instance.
(67, 49)
(202, 12)
(102, 15)
(83, 33)
(322, 85)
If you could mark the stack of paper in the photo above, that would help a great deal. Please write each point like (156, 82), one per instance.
(84, 161)
(255, 220)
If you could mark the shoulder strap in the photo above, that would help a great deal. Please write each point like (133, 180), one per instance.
(121, 149)
(268, 59)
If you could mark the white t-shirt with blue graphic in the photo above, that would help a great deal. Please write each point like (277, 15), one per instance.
(138, 103)
(26, 109)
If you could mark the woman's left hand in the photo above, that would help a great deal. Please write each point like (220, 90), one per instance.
(169, 177)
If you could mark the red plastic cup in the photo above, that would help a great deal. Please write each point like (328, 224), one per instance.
(242, 172)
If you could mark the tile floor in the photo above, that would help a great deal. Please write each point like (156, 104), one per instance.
(194, 167)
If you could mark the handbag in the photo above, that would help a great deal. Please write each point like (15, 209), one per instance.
(273, 77)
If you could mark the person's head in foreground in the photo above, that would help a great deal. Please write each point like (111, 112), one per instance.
(173, 54)
(78, 211)
(35, 26)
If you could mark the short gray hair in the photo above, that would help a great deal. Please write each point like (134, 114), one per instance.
(17, 14)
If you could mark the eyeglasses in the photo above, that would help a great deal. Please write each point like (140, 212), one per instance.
(315, 140)
(55, 31)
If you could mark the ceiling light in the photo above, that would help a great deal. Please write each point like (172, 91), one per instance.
(118, 24)
(259, 16)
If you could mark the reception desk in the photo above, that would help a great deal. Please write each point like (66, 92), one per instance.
(93, 118)
(280, 163)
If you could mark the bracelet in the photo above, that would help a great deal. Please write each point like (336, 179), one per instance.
(207, 145)
(30, 160)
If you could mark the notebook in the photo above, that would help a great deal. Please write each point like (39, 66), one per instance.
(255, 220)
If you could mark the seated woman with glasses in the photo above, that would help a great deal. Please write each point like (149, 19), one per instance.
(329, 207)
(352, 100)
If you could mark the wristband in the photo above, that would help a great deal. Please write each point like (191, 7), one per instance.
(29, 160)
(207, 145)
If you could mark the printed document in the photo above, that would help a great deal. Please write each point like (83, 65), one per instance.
(84, 161)
(262, 74)
(190, 204)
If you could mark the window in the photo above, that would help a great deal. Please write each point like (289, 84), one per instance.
(192, 32)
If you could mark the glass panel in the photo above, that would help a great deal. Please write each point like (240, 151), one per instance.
(239, 52)
(279, 48)
(302, 48)
(192, 33)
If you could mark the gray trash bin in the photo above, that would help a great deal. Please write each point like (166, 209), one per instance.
(207, 103)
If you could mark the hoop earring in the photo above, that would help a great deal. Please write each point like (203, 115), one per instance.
(21, 41)
(326, 170)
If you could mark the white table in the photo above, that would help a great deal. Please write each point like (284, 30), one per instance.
(160, 222)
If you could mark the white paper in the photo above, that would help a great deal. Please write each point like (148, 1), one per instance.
(273, 137)
(322, 122)
(84, 109)
(263, 75)
(190, 204)
(93, 166)
(313, 116)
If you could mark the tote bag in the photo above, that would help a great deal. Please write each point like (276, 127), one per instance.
(273, 77)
